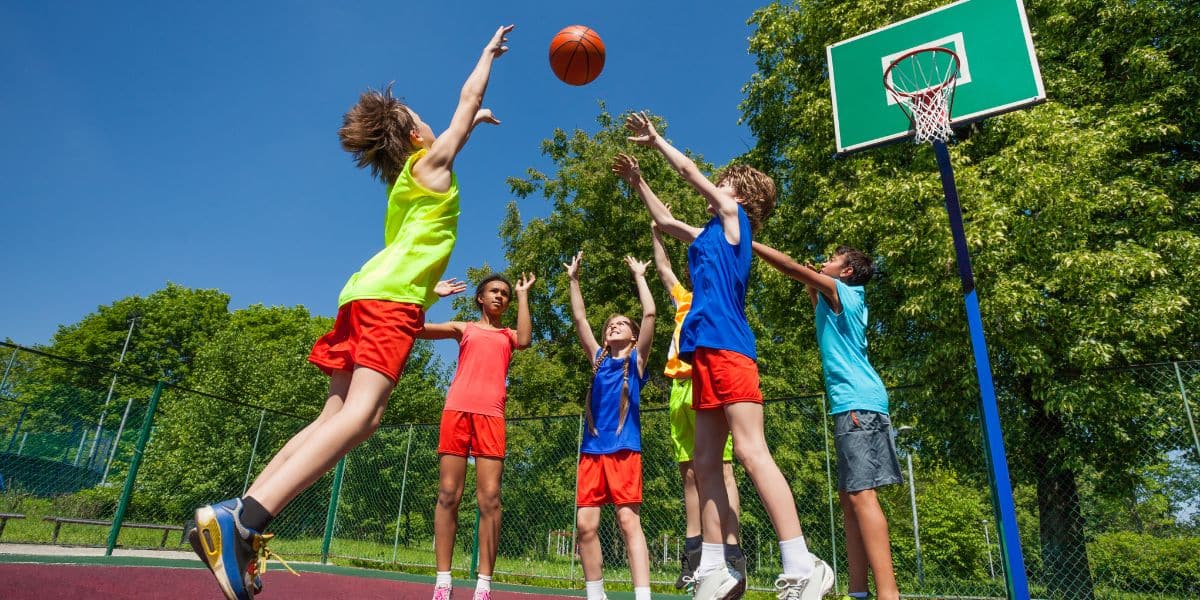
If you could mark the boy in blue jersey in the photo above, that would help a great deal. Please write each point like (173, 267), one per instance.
(866, 452)
(716, 339)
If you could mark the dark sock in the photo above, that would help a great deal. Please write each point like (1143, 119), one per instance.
(254, 516)
(733, 552)
(692, 544)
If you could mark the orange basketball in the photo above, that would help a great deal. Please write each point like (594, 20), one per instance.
(577, 55)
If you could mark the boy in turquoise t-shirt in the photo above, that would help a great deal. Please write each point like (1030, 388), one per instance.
(866, 452)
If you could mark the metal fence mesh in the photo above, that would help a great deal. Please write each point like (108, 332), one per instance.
(1113, 520)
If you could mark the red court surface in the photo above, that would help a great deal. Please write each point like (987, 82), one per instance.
(43, 581)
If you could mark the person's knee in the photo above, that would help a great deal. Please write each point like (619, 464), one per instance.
(489, 502)
(449, 498)
(629, 520)
(586, 531)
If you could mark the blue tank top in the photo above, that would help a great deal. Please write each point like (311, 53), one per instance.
(719, 272)
(606, 408)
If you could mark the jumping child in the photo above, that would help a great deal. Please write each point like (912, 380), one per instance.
(717, 340)
(683, 431)
(610, 461)
(381, 310)
(862, 430)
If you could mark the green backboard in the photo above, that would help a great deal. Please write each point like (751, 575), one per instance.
(998, 69)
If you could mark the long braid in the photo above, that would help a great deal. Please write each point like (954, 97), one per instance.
(587, 400)
(624, 410)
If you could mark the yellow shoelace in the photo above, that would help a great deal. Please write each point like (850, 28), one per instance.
(264, 553)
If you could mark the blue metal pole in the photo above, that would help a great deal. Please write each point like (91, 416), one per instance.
(993, 438)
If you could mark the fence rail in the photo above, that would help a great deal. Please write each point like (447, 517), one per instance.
(155, 463)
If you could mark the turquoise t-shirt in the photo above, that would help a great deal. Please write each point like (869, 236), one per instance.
(851, 383)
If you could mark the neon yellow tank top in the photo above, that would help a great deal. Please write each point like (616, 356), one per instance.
(419, 233)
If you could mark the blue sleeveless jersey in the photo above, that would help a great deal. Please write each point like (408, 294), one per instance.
(606, 408)
(719, 272)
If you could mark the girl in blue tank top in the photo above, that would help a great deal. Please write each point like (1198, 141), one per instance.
(610, 463)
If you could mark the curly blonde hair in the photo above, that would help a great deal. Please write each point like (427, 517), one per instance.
(375, 131)
(755, 188)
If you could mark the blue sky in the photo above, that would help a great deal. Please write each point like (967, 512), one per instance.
(147, 142)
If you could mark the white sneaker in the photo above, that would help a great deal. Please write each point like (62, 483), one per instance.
(817, 586)
(722, 584)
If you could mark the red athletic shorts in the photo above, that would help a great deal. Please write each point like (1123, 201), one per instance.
(609, 479)
(471, 434)
(721, 377)
(376, 334)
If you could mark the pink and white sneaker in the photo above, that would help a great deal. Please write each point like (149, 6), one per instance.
(443, 593)
(482, 595)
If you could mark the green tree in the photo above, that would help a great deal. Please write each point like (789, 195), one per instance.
(1081, 217)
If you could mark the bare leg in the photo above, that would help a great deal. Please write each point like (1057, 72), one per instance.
(339, 384)
(750, 444)
(691, 499)
(629, 518)
(452, 476)
(856, 555)
(324, 445)
(873, 530)
(587, 527)
(735, 503)
(711, 431)
(488, 472)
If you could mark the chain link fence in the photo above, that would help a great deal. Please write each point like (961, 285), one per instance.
(1108, 491)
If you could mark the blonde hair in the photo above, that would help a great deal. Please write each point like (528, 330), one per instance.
(755, 188)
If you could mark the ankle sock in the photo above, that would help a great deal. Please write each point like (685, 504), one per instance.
(641, 593)
(483, 584)
(254, 516)
(443, 579)
(797, 560)
(712, 558)
(595, 589)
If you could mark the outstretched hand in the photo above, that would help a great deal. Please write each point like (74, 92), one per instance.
(484, 115)
(449, 287)
(626, 167)
(573, 266)
(637, 267)
(642, 128)
(498, 44)
(524, 282)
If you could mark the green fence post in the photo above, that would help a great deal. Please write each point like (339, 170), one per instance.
(403, 485)
(574, 510)
(1187, 409)
(134, 463)
(333, 502)
(475, 552)
(253, 451)
(829, 483)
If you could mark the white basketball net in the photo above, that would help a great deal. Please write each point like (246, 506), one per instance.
(922, 83)
(930, 114)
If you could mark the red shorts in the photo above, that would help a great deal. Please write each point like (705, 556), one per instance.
(721, 377)
(471, 434)
(376, 334)
(609, 479)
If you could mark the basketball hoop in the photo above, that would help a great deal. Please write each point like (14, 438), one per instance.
(921, 83)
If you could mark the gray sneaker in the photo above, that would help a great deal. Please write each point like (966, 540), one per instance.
(817, 586)
(722, 584)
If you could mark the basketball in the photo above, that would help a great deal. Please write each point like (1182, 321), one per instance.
(577, 55)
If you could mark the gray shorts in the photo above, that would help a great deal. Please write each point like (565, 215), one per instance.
(866, 452)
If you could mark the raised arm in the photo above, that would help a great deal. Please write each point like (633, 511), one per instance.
(524, 323)
(587, 339)
(649, 313)
(809, 276)
(719, 200)
(435, 169)
(626, 167)
(662, 262)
